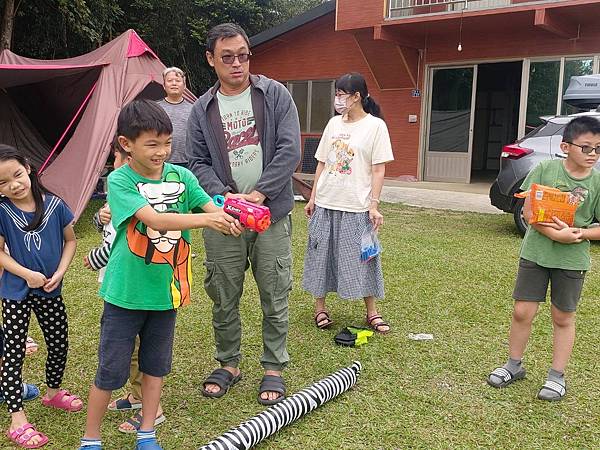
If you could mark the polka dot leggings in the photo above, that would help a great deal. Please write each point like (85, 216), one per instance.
(52, 317)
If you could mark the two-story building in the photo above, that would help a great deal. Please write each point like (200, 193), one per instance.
(456, 79)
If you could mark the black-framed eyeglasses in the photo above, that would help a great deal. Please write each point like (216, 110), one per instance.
(587, 149)
(242, 58)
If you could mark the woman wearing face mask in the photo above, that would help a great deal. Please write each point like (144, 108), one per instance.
(344, 203)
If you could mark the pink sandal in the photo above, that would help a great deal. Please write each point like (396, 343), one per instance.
(24, 434)
(62, 400)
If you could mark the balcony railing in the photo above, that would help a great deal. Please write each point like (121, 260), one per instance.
(406, 8)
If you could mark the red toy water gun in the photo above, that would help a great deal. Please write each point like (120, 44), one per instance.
(252, 216)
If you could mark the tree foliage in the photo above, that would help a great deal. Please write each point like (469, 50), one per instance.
(175, 29)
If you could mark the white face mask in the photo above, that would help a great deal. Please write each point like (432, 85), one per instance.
(341, 105)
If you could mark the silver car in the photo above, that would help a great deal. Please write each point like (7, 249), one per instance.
(519, 158)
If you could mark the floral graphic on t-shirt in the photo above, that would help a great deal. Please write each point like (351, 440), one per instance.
(340, 157)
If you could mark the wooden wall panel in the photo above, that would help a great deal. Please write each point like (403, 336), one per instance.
(352, 14)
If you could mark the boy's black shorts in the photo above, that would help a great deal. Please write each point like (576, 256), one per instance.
(532, 285)
(118, 330)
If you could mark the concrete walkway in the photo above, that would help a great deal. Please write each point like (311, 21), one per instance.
(473, 197)
(453, 196)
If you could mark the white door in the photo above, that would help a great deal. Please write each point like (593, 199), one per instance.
(450, 127)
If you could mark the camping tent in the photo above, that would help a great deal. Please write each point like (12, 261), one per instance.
(63, 113)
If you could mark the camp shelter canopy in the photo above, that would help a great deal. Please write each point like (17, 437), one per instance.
(63, 113)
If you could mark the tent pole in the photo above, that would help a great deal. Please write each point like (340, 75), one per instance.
(68, 127)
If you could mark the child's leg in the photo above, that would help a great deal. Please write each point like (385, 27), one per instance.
(563, 338)
(16, 316)
(135, 379)
(97, 403)
(135, 376)
(566, 293)
(133, 398)
(520, 328)
(555, 387)
(151, 390)
(119, 327)
(52, 317)
(156, 355)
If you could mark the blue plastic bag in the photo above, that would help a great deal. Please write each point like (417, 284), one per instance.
(369, 245)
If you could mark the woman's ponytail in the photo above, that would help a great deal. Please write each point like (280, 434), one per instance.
(353, 82)
(370, 106)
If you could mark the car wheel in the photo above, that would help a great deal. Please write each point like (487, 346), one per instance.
(520, 221)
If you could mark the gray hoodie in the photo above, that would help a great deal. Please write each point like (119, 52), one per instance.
(279, 132)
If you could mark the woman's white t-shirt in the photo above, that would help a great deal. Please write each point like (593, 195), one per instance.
(349, 151)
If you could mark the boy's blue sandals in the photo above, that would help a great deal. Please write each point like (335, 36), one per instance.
(29, 392)
(502, 377)
(146, 440)
(90, 444)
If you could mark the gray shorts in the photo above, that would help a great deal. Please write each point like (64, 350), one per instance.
(118, 330)
(532, 285)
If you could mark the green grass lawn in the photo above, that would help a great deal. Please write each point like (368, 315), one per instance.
(446, 273)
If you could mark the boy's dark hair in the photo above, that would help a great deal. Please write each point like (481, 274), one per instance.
(224, 31)
(143, 115)
(115, 147)
(354, 82)
(581, 125)
(8, 153)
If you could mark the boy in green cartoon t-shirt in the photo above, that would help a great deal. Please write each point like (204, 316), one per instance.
(148, 274)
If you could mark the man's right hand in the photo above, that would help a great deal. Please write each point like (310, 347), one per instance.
(35, 279)
(104, 214)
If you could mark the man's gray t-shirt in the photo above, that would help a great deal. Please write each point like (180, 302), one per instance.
(241, 136)
(178, 113)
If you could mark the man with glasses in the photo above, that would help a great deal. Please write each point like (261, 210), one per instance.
(555, 254)
(244, 141)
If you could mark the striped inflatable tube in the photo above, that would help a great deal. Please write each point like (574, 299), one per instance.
(274, 418)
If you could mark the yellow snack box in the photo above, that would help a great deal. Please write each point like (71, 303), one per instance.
(548, 202)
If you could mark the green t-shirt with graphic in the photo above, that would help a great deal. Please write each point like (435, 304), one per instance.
(544, 251)
(150, 269)
(241, 136)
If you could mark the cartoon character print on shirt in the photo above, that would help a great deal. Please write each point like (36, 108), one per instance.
(577, 195)
(340, 157)
(162, 246)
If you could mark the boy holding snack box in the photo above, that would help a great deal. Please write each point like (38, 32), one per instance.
(557, 253)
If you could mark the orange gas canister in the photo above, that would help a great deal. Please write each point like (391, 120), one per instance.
(548, 202)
